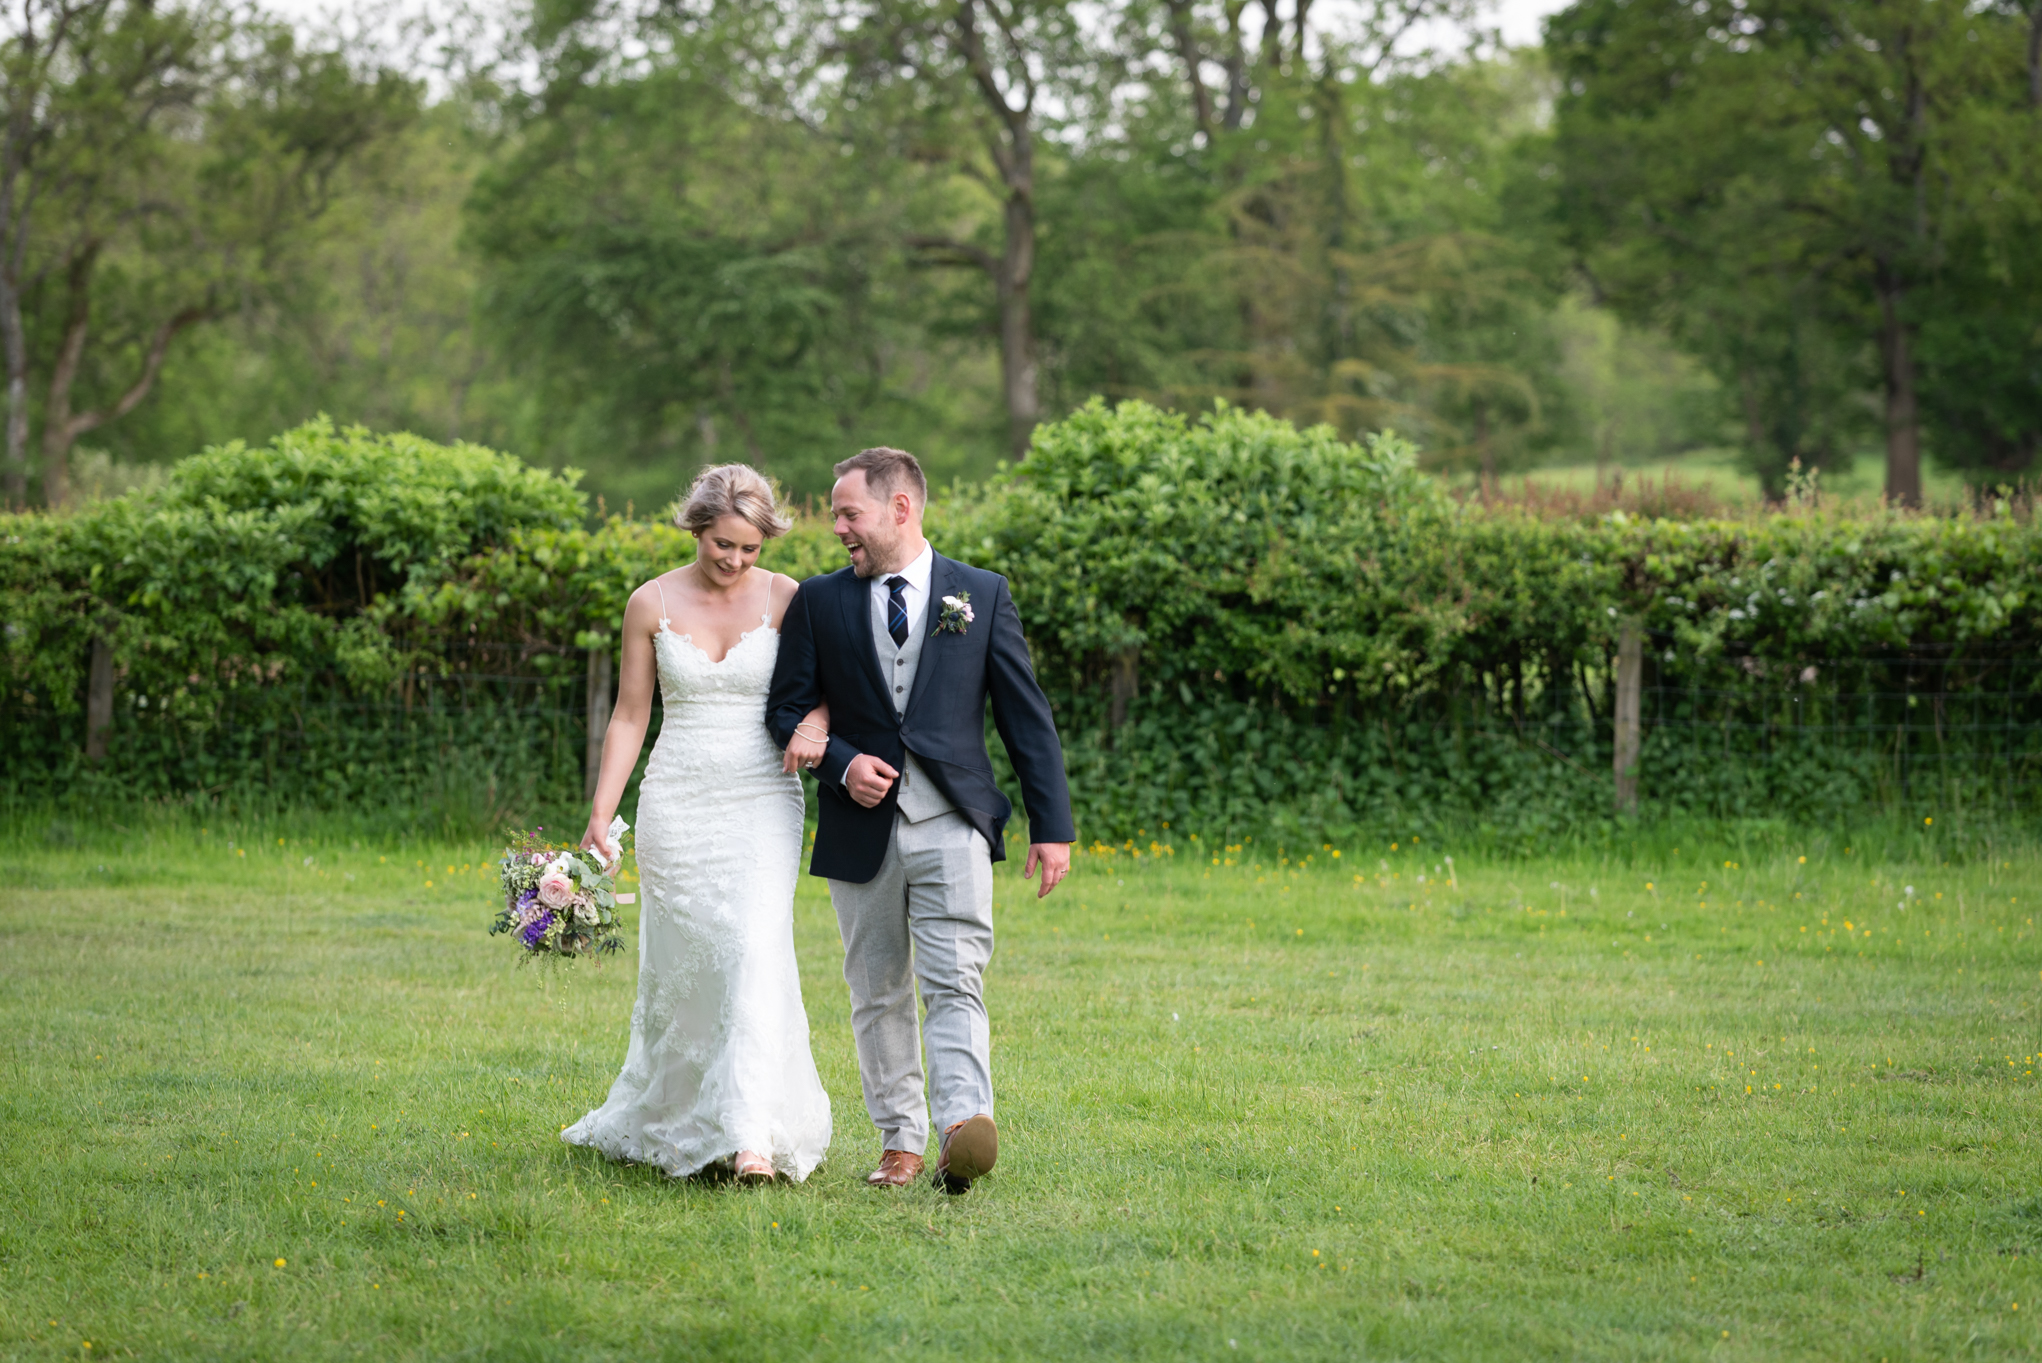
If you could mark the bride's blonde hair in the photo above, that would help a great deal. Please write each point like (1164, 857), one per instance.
(733, 490)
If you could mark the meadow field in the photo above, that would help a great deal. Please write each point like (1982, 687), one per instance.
(272, 1096)
(1720, 473)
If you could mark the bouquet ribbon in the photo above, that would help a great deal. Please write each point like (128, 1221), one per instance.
(615, 838)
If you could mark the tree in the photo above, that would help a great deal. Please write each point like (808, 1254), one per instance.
(975, 79)
(1759, 174)
(1164, 201)
(373, 320)
(1335, 238)
(683, 260)
(157, 164)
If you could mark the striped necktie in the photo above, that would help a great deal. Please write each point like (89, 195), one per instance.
(897, 610)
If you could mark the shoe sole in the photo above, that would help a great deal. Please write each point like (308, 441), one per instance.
(973, 1150)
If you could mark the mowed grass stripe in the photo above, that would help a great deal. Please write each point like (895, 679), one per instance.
(1252, 1109)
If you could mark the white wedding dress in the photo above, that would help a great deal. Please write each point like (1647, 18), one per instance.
(719, 1059)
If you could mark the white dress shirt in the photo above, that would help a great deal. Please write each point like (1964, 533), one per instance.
(915, 594)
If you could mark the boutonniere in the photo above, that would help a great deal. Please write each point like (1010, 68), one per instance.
(956, 613)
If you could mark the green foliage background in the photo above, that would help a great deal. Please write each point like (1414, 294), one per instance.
(1243, 627)
(635, 238)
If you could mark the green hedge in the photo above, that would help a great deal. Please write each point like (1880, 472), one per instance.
(1243, 626)
(1321, 639)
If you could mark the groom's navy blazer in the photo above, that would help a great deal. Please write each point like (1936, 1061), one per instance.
(827, 653)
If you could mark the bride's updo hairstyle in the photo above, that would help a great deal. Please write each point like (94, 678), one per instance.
(733, 490)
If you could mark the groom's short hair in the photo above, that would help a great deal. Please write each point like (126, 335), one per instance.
(888, 471)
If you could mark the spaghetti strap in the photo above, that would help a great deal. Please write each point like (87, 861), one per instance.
(664, 619)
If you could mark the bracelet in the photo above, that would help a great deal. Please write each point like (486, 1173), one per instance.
(810, 737)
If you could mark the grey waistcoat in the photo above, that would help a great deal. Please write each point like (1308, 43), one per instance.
(919, 796)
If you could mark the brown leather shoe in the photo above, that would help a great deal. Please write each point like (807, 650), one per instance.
(897, 1169)
(969, 1151)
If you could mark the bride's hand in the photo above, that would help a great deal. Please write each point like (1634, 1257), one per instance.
(805, 750)
(598, 838)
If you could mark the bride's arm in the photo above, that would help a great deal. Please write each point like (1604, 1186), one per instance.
(811, 741)
(637, 676)
(804, 748)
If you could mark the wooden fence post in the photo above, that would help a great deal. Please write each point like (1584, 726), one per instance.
(98, 700)
(598, 717)
(1630, 687)
(1126, 682)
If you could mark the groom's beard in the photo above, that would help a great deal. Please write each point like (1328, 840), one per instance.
(880, 556)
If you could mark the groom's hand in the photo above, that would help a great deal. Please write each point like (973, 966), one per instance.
(868, 779)
(1055, 860)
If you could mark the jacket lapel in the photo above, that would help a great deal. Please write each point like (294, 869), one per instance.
(942, 583)
(856, 605)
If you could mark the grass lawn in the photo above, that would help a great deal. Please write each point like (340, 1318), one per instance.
(1722, 473)
(288, 1101)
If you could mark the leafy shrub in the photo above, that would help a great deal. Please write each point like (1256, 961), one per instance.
(1247, 626)
(255, 588)
(1243, 627)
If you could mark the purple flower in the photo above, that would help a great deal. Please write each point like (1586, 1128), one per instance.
(533, 934)
(527, 899)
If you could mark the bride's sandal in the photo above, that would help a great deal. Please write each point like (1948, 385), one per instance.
(751, 1168)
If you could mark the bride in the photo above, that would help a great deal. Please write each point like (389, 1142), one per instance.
(719, 1067)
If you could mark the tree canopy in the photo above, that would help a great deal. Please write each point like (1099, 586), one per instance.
(633, 237)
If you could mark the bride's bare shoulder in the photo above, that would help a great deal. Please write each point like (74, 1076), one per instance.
(783, 592)
(652, 602)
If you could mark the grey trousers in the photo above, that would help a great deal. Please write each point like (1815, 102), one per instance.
(927, 919)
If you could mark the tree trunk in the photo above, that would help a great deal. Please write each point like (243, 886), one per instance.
(1903, 417)
(1125, 683)
(2035, 56)
(17, 395)
(1011, 144)
(1630, 689)
(61, 428)
(1754, 415)
(70, 350)
(1193, 59)
(15, 341)
(1017, 321)
(1237, 68)
(14, 218)
(598, 718)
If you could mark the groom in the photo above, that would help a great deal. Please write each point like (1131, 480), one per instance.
(906, 646)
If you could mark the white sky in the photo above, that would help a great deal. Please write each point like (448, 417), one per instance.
(1517, 19)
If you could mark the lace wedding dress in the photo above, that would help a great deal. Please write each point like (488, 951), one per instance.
(719, 1059)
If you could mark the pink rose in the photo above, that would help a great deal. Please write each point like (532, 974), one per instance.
(556, 888)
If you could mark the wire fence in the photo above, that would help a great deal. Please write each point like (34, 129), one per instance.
(479, 747)
(1933, 724)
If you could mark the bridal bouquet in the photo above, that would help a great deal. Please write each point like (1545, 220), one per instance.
(559, 901)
